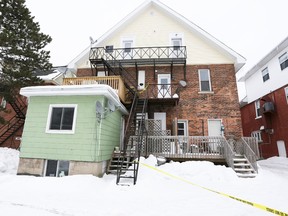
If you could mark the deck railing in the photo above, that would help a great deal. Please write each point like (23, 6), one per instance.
(142, 53)
(197, 147)
(249, 153)
(115, 82)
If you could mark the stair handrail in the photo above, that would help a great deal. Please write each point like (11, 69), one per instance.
(229, 153)
(250, 155)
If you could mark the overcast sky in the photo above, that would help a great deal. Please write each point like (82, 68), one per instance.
(250, 27)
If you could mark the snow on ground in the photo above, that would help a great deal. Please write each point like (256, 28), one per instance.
(155, 193)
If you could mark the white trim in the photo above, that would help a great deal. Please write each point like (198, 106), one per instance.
(239, 60)
(209, 79)
(66, 90)
(286, 93)
(185, 122)
(51, 106)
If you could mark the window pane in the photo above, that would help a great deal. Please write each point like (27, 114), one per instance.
(204, 75)
(205, 86)
(63, 168)
(67, 121)
(51, 168)
(128, 46)
(56, 118)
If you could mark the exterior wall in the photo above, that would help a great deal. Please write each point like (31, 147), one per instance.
(36, 167)
(277, 79)
(195, 106)
(154, 28)
(14, 140)
(277, 121)
(92, 140)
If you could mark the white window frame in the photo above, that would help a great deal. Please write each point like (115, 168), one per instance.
(48, 130)
(283, 59)
(257, 135)
(257, 107)
(185, 123)
(209, 80)
(286, 93)
(176, 51)
(265, 74)
(125, 42)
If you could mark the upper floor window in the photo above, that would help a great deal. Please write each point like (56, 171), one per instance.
(257, 135)
(109, 48)
(204, 80)
(265, 74)
(61, 118)
(283, 60)
(127, 45)
(257, 108)
(286, 93)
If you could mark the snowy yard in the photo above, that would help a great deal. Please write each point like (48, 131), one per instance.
(154, 194)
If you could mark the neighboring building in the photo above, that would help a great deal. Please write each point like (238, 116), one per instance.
(173, 77)
(11, 131)
(265, 109)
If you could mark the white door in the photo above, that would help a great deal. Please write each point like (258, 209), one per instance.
(141, 80)
(161, 116)
(128, 45)
(164, 86)
(281, 148)
(214, 127)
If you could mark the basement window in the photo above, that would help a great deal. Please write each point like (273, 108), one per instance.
(55, 168)
(61, 118)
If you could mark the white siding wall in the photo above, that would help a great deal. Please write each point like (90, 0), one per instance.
(154, 28)
(256, 88)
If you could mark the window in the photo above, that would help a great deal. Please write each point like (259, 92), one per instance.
(109, 49)
(204, 79)
(61, 119)
(265, 74)
(127, 45)
(3, 103)
(283, 60)
(127, 51)
(286, 94)
(257, 108)
(182, 128)
(176, 41)
(56, 168)
(258, 136)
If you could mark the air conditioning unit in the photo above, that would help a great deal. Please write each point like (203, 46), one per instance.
(268, 107)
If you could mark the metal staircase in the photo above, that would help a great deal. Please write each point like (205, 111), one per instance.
(124, 163)
(15, 123)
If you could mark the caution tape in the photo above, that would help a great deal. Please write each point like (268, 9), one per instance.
(256, 205)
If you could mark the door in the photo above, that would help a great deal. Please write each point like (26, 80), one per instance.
(214, 129)
(141, 80)
(161, 116)
(281, 148)
(127, 52)
(164, 86)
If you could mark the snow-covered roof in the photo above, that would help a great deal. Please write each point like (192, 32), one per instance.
(68, 90)
(238, 59)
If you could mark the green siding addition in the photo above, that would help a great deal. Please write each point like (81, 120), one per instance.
(92, 141)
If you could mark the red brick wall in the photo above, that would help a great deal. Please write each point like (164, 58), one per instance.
(197, 108)
(277, 121)
(12, 142)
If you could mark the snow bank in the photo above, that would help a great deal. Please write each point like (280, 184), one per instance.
(9, 159)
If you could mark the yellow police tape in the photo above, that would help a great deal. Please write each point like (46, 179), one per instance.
(256, 205)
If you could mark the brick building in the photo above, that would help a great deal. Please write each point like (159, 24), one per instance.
(264, 110)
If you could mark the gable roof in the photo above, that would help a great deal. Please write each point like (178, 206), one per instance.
(239, 60)
(279, 48)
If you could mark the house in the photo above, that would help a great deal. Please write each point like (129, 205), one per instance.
(176, 81)
(14, 115)
(264, 110)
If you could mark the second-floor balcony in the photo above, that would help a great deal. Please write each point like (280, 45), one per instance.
(167, 93)
(140, 55)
